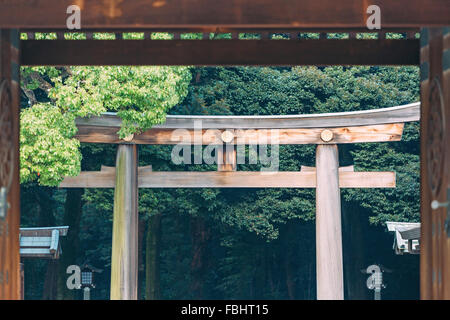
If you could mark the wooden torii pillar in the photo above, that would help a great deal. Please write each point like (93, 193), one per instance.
(124, 258)
(324, 130)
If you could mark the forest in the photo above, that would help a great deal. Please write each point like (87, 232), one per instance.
(213, 243)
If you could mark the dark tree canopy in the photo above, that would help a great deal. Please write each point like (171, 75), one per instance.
(259, 243)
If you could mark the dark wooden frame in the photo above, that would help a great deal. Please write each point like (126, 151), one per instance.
(203, 16)
(213, 15)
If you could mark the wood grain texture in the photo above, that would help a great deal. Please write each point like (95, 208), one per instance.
(43, 232)
(220, 52)
(240, 13)
(9, 227)
(435, 165)
(356, 134)
(232, 179)
(329, 261)
(426, 255)
(124, 258)
(347, 127)
(430, 54)
(227, 158)
(341, 169)
(396, 114)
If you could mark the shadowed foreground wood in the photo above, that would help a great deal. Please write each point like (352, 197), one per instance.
(124, 259)
(209, 15)
(9, 164)
(220, 52)
(231, 179)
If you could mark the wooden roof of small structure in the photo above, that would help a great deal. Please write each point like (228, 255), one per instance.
(41, 242)
(407, 237)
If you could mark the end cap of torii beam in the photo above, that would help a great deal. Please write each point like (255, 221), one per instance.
(227, 136)
(326, 135)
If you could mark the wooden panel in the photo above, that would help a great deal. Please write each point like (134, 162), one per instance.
(397, 114)
(435, 164)
(204, 13)
(426, 277)
(220, 52)
(9, 155)
(375, 133)
(446, 179)
(264, 33)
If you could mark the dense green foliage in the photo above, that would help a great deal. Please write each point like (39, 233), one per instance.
(269, 91)
(241, 243)
(140, 96)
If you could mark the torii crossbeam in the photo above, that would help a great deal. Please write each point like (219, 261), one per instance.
(324, 130)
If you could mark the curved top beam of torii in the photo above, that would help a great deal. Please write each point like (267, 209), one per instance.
(376, 125)
(345, 127)
(398, 114)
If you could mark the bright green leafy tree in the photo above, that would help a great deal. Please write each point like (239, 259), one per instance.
(141, 96)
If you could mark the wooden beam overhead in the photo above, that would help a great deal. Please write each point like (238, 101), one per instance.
(207, 13)
(231, 179)
(356, 134)
(321, 52)
(377, 125)
(397, 114)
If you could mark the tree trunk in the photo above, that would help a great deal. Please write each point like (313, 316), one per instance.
(290, 283)
(354, 255)
(70, 243)
(354, 223)
(200, 236)
(46, 218)
(49, 292)
(141, 262)
(44, 198)
(152, 258)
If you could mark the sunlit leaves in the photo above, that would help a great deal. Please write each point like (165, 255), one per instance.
(141, 96)
(47, 149)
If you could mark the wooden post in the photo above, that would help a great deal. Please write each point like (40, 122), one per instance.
(329, 266)
(124, 260)
(9, 164)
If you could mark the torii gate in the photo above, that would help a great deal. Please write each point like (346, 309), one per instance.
(324, 130)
